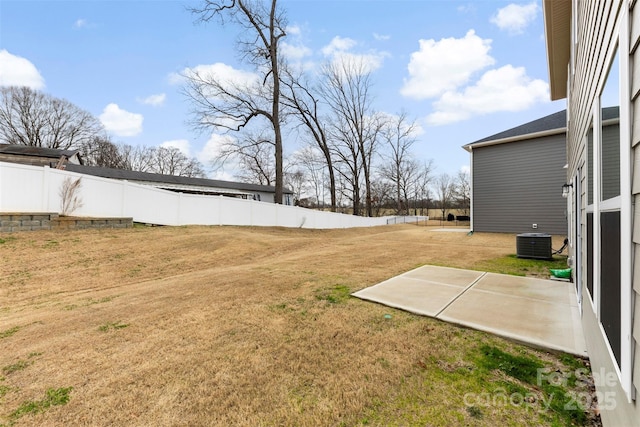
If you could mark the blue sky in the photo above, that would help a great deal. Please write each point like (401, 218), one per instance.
(463, 70)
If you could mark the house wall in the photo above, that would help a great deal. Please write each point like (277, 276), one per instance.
(26, 160)
(598, 25)
(518, 184)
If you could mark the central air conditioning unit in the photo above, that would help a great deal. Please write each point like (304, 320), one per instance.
(534, 245)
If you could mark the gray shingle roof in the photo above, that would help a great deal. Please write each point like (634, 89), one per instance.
(28, 150)
(555, 121)
(170, 179)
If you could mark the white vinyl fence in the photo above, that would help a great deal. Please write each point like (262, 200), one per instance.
(26, 188)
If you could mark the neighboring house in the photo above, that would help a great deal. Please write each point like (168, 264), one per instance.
(594, 62)
(182, 184)
(38, 156)
(516, 177)
(72, 161)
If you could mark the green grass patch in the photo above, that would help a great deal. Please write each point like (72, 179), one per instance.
(558, 398)
(8, 332)
(4, 389)
(88, 302)
(334, 295)
(112, 326)
(7, 239)
(515, 266)
(51, 244)
(53, 397)
(522, 368)
(15, 367)
(481, 383)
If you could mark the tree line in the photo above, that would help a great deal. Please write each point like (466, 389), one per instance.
(356, 156)
(351, 157)
(30, 117)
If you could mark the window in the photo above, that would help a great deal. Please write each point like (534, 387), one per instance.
(609, 207)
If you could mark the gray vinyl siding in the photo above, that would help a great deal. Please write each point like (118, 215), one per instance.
(518, 184)
(597, 25)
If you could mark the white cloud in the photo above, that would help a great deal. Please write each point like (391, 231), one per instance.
(213, 147)
(180, 144)
(293, 30)
(19, 71)
(121, 122)
(515, 18)
(381, 37)
(339, 50)
(467, 8)
(416, 130)
(219, 71)
(444, 65)
(465, 169)
(364, 63)
(337, 45)
(154, 100)
(82, 23)
(294, 52)
(504, 89)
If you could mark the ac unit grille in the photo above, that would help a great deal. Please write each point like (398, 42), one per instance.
(533, 245)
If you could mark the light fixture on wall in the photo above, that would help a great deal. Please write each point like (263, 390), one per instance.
(565, 190)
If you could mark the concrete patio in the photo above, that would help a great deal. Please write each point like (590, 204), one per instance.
(538, 312)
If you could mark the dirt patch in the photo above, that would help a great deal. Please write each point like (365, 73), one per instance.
(234, 326)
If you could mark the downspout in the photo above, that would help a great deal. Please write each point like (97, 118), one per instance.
(471, 189)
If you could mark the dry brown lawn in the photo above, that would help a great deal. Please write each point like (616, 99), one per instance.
(234, 326)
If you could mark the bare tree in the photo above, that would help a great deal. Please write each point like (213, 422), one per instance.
(137, 158)
(101, 152)
(305, 103)
(30, 117)
(463, 191)
(221, 103)
(382, 193)
(399, 166)
(422, 184)
(312, 162)
(171, 161)
(296, 181)
(355, 127)
(252, 155)
(444, 192)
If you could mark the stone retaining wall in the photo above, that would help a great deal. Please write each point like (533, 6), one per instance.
(23, 221)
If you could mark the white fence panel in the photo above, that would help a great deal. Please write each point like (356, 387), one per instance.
(22, 189)
(196, 210)
(235, 212)
(99, 197)
(37, 189)
(151, 205)
(263, 214)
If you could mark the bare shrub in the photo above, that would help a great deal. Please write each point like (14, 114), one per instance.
(70, 195)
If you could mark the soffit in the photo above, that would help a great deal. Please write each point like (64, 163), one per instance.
(557, 26)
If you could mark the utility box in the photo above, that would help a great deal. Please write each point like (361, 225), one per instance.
(533, 245)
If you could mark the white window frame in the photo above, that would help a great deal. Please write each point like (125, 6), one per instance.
(623, 203)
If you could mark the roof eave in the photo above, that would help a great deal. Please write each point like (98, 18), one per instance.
(524, 137)
(557, 29)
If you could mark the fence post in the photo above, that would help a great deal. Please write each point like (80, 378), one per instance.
(125, 186)
(220, 210)
(45, 189)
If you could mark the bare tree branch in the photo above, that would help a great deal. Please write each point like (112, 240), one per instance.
(219, 103)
